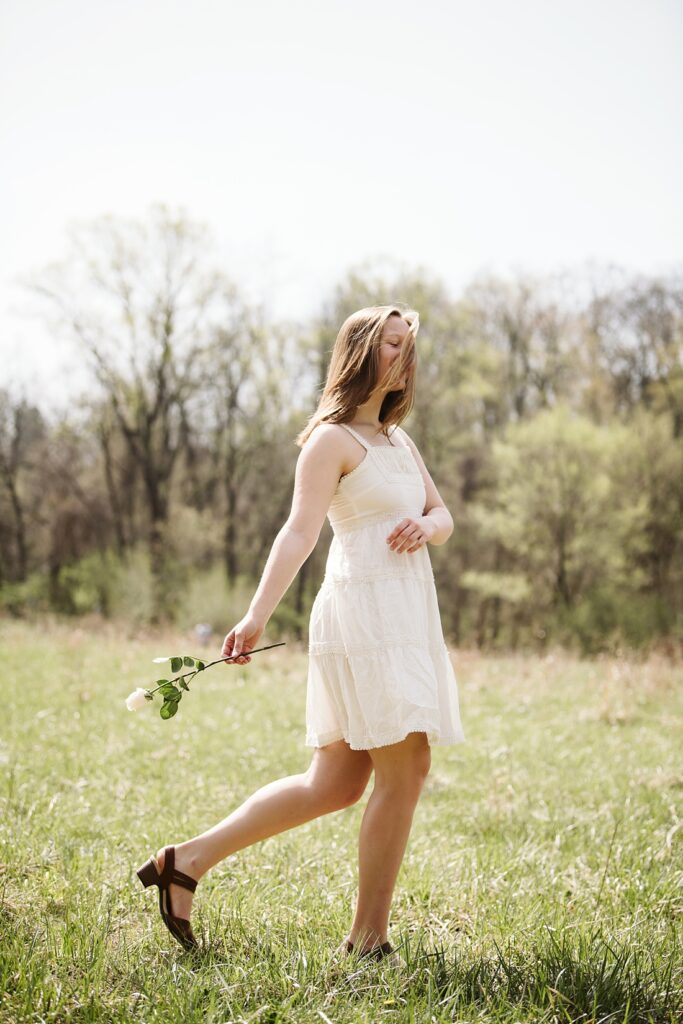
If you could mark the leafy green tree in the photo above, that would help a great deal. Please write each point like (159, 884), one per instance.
(141, 301)
(554, 519)
(649, 472)
(22, 430)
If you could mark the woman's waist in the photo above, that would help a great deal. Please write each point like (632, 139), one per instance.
(365, 554)
(363, 520)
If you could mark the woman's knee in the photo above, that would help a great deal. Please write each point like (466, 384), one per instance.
(339, 775)
(355, 790)
(348, 791)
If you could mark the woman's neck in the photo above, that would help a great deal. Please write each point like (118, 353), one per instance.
(367, 415)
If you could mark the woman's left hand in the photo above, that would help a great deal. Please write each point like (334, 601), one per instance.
(411, 534)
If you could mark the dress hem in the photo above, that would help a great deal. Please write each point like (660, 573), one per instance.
(367, 743)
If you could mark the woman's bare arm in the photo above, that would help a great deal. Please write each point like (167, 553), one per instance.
(435, 508)
(318, 468)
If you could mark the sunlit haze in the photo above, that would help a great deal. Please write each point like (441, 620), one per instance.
(313, 136)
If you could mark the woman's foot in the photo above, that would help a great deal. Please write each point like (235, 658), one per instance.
(370, 945)
(181, 898)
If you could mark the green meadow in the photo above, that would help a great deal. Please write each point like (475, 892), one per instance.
(542, 879)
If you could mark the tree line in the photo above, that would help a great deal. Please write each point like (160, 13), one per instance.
(549, 411)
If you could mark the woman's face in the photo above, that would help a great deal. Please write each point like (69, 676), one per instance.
(392, 348)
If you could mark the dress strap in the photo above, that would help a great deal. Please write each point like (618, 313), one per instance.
(356, 435)
(397, 435)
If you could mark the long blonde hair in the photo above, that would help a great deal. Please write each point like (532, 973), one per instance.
(352, 373)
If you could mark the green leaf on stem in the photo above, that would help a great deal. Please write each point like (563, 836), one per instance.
(181, 682)
(176, 664)
(168, 709)
(188, 662)
(200, 666)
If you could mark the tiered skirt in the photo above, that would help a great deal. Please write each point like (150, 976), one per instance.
(378, 666)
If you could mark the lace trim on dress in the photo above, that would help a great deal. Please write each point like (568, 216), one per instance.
(358, 522)
(370, 575)
(347, 649)
(435, 736)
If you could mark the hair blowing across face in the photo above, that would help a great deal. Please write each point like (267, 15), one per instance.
(353, 370)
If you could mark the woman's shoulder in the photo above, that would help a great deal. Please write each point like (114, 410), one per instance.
(327, 429)
(330, 436)
(403, 436)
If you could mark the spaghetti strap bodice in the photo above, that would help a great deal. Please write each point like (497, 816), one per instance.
(386, 483)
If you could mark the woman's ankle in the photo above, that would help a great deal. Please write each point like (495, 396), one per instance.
(370, 940)
(191, 860)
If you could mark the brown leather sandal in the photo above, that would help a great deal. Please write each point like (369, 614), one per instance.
(149, 874)
(376, 953)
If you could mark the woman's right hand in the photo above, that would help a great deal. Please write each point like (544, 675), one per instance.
(242, 638)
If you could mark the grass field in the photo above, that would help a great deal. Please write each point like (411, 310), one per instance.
(542, 879)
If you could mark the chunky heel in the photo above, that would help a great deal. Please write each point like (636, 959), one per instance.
(148, 873)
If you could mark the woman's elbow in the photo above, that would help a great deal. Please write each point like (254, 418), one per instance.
(304, 533)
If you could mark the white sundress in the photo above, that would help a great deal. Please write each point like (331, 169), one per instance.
(378, 665)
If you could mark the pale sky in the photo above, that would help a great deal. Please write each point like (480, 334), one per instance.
(315, 134)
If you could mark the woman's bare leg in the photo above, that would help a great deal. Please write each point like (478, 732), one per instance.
(400, 772)
(336, 778)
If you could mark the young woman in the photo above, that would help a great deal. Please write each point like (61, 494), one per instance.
(381, 686)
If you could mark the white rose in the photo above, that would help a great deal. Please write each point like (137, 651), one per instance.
(136, 700)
